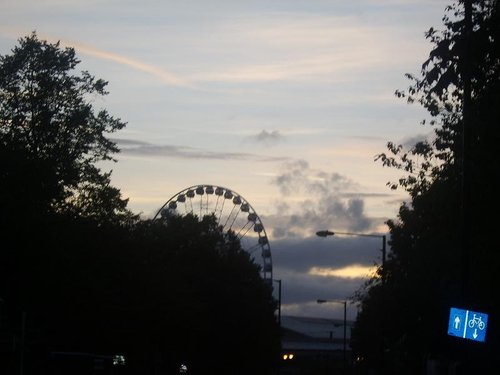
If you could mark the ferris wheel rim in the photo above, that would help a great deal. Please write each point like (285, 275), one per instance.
(258, 226)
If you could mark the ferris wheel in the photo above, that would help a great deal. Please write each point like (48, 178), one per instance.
(232, 212)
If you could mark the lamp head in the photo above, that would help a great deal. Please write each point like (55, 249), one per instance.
(324, 233)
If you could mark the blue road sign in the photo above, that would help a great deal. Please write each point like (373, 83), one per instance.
(467, 324)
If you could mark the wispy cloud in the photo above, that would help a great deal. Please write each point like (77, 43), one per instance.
(321, 197)
(160, 73)
(144, 149)
(313, 268)
(274, 47)
(290, 46)
(353, 271)
(267, 137)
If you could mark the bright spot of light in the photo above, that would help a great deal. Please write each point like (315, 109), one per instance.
(118, 360)
(354, 271)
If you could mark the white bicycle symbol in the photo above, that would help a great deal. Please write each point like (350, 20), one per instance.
(476, 321)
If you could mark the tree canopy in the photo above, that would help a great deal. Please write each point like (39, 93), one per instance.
(51, 136)
(443, 252)
(80, 273)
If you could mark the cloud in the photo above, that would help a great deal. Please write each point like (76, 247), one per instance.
(160, 73)
(324, 200)
(144, 149)
(298, 176)
(354, 271)
(300, 255)
(289, 46)
(267, 138)
(312, 267)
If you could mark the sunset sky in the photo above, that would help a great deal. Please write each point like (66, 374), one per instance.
(285, 102)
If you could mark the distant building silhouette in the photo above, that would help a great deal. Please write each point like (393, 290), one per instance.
(314, 345)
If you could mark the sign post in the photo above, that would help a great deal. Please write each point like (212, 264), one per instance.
(467, 324)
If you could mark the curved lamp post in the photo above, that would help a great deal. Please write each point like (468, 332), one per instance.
(344, 302)
(325, 233)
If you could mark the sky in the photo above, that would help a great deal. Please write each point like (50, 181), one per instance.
(286, 103)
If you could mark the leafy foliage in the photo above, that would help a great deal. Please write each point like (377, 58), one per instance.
(442, 245)
(51, 137)
(160, 295)
(85, 274)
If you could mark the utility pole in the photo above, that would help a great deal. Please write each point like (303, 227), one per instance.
(466, 150)
(344, 302)
(279, 301)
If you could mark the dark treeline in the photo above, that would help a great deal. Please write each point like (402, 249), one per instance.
(79, 273)
(444, 244)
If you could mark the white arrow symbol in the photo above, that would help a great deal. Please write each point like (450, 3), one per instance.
(475, 334)
(457, 322)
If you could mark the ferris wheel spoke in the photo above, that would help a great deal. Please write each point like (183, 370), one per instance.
(221, 210)
(206, 205)
(246, 228)
(211, 200)
(216, 208)
(233, 215)
(253, 249)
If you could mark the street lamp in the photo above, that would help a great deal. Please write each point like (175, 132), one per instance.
(345, 323)
(325, 233)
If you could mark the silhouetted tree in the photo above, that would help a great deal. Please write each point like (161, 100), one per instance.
(80, 273)
(208, 304)
(51, 137)
(443, 250)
